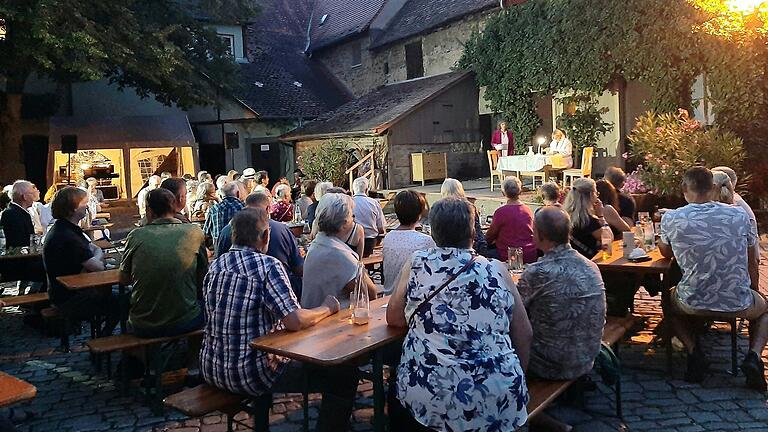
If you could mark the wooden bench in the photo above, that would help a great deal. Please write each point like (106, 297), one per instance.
(543, 392)
(20, 300)
(154, 357)
(205, 399)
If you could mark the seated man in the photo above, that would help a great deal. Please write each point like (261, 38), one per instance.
(712, 243)
(178, 188)
(67, 251)
(282, 243)
(166, 262)
(368, 213)
(247, 295)
(221, 213)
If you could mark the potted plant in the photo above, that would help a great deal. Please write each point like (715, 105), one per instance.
(668, 144)
(582, 121)
(635, 185)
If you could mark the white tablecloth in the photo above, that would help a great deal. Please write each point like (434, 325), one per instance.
(527, 163)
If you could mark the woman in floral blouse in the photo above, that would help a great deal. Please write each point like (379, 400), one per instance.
(467, 347)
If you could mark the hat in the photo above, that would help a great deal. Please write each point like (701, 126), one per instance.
(249, 173)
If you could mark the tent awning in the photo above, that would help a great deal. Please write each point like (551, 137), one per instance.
(172, 130)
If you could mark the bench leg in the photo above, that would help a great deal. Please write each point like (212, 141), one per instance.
(734, 348)
(230, 426)
(305, 401)
(378, 391)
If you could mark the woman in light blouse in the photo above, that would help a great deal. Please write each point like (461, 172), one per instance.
(561, 145)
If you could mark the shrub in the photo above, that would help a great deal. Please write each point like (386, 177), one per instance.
(668, 144)
(325, 162)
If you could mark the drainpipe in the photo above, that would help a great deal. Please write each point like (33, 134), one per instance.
(309, 30)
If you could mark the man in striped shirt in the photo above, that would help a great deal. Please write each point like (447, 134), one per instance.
(247, 295)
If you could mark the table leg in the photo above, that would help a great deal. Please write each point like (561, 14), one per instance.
(378, 391)
(121, 294)
(665, 308)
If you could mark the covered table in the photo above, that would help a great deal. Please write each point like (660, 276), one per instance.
(531, 163)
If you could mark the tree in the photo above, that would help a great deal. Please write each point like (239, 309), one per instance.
(159, 48)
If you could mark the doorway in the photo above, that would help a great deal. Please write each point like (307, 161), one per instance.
(35, 156)
(212, 159)
(266, 156)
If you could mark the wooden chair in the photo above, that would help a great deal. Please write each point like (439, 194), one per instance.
(493, 161)
(584, 171)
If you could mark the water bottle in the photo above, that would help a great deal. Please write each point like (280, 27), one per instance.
(2, 242)
(606, 241)
(648, 236)
(361, 310)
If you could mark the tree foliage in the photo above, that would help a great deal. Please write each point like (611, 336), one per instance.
(159, 48)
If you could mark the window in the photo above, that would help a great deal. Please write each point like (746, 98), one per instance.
(414, 60)
(357, 53)
(229, 42)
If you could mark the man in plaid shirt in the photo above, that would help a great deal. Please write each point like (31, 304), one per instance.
(247, 295)
(220, 214)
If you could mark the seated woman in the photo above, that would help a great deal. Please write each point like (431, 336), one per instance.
(468, 340)
(67, 251)
(453, 188)
(587, 219)
(282, 209)
(610, 199)
(512, 224)
(401, 242)
(204, 199)
(550, 194)
(331, 266)
(562, 145)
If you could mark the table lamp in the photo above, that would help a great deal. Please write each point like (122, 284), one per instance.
(540, 141)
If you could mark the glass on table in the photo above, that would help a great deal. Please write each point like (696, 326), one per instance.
(515, 259)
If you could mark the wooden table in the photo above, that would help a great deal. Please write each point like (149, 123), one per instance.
(104, 244)
(336, 341)
(103, 215)
(19, 253)
(90, 280)
(658, 265)
(14, 390)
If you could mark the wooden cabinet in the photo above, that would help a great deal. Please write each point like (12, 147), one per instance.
(429, 166)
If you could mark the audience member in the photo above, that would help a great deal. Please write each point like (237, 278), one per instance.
(586, 212)
(165, 261)
(739, 201)
(222, 180)
(233, 175)
(204, 176)
(719, 278)
(262, 182)
(282, 243)
(401, 242)
(368, 213)
(512, 224)
(282, 209)
(204, 199)
(452, 188)
(141, 199)
(626, 208)
(608, 195)
(67, 251)
(95, 192)
(550, 194)
(318, 193)
(178, 188)
(307, 199)
(467, 332)
(165, 175)
(16, 221)
(221, 213)
(247, 295)
(5, 197)
(330, 251)
(280, 181)
(249, 179)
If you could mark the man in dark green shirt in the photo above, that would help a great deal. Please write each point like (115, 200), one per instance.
(165, 261)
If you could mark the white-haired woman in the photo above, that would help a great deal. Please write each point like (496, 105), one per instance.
(282, 209)
(453, 188)
(334, 266)
(512, 224)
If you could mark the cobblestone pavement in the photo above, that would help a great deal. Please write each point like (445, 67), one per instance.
(73, 397)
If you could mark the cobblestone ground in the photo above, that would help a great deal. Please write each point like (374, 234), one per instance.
(73, 397)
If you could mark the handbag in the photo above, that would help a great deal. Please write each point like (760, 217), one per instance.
(445, 284)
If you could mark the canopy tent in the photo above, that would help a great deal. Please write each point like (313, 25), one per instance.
(132, 148)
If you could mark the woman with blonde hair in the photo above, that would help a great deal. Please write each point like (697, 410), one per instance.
(562, 145)
(453, 188)
(723, 191)
(206, 197)
(587, 218)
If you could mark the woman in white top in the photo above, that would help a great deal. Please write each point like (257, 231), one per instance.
(403, 241)
(562, 145)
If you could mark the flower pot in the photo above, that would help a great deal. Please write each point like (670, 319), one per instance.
(645, 202)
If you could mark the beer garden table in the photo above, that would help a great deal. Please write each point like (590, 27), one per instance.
(14, 390)
(335, 341)
(106, 278)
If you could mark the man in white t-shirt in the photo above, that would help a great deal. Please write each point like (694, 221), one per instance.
(368, 213)
(141, 199)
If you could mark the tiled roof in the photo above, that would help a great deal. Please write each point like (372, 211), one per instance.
(419, 16)
(376, 111)
(280, 81)
(344, 18)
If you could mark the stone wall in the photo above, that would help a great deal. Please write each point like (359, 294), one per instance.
(442, 48)
(465, 161)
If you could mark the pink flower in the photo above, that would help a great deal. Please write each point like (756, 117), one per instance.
(625, 155)
(659, 130)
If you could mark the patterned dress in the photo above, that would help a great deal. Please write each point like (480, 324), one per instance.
(459, 371)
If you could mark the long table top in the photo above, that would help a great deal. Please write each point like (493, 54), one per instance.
(657, 265)
(14, 390)
(90, 280)
(333, 340)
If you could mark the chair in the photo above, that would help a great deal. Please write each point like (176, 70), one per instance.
(584, 171)
(493, 161)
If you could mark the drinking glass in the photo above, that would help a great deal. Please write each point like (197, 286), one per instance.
(515, 259)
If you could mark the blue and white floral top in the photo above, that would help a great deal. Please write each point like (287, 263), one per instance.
(459, 371)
